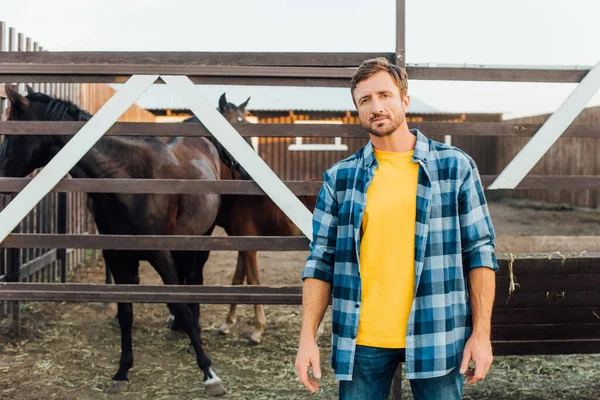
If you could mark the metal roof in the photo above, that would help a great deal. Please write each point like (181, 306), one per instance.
(268, 98)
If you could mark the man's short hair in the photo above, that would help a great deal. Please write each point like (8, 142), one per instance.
(370, 67)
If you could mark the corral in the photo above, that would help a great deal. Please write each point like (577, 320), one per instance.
(551, 307)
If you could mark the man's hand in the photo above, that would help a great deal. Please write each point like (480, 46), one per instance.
(479, 349)
(308, 356)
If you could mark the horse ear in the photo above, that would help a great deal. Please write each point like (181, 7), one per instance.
(223, 103)
(15, 98)
(30, 90)
(244, 104)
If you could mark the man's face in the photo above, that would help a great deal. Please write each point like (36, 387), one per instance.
(381, 108)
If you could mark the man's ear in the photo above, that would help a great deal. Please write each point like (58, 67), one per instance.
(406, 103)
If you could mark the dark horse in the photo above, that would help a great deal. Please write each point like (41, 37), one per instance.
(130, 214)
(248, 216)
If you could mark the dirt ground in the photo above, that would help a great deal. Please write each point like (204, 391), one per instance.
(70, 350)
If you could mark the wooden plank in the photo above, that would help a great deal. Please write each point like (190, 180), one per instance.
(13, 262)
(144, 242)
(61, 228)
(9, 185)
(3, 102)
(12, 42)
(202, 289)
(586, 264)
(499, 129)
(540, 182)
(502, 74)
(29, 69)
(534, 331)
(544, 282)
(539, 347)
(522, 316)
(265, 59)
(139, 297)
(171, 294)
(38, 263)
(200, 80)
(400, 33)
(160, 186)
(548, 299)
(82, 72)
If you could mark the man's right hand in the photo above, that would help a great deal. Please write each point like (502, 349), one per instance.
(308, 356)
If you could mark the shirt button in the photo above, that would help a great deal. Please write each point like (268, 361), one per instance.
(353, 337)
(357, 305)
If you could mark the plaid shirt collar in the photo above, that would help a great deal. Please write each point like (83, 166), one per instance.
(421, 150)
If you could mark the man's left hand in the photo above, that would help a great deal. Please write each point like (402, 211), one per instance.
(479, 349)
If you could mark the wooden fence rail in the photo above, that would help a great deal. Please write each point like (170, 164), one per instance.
(477, 129)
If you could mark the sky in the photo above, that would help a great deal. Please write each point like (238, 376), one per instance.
(513, 32)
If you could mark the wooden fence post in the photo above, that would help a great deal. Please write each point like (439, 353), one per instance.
(61, 227)
(2, 48)
(13, 265)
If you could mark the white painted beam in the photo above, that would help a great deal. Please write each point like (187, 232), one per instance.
(549, 133)
(242, 152)
(73, 151)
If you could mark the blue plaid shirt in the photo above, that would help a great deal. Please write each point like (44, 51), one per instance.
(454, 233)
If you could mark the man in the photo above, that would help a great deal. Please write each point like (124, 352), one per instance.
(403, 239)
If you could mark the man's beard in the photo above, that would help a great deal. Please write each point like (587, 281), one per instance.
(384, 130)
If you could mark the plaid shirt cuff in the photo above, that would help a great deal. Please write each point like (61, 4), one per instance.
(483, 256)
(317, 270)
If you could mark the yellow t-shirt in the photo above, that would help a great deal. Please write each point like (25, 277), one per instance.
(387, 263)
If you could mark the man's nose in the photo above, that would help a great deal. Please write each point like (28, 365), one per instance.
(376, 106)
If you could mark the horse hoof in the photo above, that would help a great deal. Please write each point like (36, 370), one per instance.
(255, 338)
(214, 387)
(117, 387)
(225, 328)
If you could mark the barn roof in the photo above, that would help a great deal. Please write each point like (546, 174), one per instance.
(269, 98)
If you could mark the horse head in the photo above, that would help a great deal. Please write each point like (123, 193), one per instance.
(22, 154)
(232, 113)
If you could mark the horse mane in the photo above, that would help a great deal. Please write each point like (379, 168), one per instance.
(224, 155)
(57, 109)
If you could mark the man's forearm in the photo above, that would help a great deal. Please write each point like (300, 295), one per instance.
(315, 299)
(482, 288)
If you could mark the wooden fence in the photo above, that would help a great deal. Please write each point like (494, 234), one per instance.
(568, 156)
(57, 212)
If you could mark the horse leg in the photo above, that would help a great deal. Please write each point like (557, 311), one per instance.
(192, 263)
(238, 279)
(124, 269)
(164, 264)
(197, 261)
(260, 321)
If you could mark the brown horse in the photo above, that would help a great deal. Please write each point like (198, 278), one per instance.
(130, 214)
(248, 216)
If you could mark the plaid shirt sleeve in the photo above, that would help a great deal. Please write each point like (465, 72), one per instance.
(476, 229)
(320, 261)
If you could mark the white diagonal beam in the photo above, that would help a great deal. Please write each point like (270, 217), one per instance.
(242, 152)
(73, 151)
(549, 133)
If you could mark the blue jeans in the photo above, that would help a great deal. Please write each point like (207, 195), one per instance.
(374, 370)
